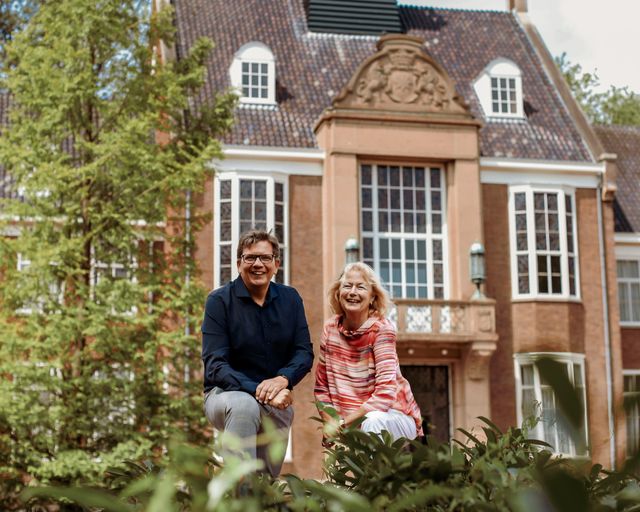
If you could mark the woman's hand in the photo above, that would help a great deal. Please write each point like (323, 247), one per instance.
(282, 400)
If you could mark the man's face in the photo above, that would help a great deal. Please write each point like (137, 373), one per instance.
(258, 273)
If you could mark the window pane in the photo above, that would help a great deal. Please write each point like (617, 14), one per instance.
(436, 223)
(437, 250)
(225, 189)
(225, 211)
(408, 250)
(635, 302)
(435, 178)
(365, 175)
(526, 374)
(528, 403)
(384, 249)
(366, 197)
(367, 221)
(382, 198)
(628, 268)
(396, 226)
(367, 248)
(624, 302)
(395, 199)
(246, 189)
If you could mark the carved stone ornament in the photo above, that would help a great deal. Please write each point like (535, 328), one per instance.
(478, 358)
(401, 76)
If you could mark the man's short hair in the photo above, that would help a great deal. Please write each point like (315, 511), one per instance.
(253, 237)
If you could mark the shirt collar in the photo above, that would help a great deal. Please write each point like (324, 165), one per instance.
(240, 290)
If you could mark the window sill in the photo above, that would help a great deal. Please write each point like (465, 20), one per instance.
(251, 104)
(630, 325)
(574, 300)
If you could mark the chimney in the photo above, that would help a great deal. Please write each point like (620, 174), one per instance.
(517, 5)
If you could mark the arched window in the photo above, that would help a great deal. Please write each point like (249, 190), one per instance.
(253, 74)
(499, 89)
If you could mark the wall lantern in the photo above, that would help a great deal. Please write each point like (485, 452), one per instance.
(476, 269)
(351, 250)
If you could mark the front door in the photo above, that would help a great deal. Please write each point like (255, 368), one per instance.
(430, 386)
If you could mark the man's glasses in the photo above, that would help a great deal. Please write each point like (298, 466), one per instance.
(252, 258)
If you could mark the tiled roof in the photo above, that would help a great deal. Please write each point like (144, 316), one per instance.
(312, 68)
(625, 142)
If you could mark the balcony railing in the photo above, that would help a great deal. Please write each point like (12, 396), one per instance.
(444, 320)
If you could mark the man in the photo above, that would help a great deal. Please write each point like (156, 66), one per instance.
(255, 348)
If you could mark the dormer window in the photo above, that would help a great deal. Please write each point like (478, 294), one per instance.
(253, 74)
(499, 89)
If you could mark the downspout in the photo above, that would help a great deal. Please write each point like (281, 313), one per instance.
(187, 280)
(607, 337)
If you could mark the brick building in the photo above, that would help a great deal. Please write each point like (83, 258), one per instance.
(455, 127)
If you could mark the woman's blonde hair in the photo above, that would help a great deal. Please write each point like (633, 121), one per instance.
(380, 303)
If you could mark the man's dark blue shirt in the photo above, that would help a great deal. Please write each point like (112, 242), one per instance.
(244, 343)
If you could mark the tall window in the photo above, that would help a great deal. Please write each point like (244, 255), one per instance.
(543, 243)
(632, 406)
(499, 89)
(403, 228)
(536, 399)
(629, 290)
(244, 203)
(253, 74)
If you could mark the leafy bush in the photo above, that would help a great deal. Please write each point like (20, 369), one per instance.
(366, 472)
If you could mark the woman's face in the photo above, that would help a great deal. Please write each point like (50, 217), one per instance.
(355, 294)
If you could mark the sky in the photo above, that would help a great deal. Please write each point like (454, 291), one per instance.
(601, 36)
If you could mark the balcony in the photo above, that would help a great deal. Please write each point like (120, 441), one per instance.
(449, 329)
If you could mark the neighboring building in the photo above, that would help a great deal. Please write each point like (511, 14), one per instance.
(453, 128)
(625, 142)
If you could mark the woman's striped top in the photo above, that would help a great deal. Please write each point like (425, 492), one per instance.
(361, 368)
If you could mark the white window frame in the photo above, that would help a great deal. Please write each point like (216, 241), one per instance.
(428, 237)
(127, 406)
(23, 264)
(254, 52)
(635, 412)
(628, 253)
(235, 178)
(566, 358)
(500, 68)
(532, 252)
(94, 278)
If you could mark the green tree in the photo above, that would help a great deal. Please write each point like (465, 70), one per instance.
(618, 105)
(98, 306)
(13, 16)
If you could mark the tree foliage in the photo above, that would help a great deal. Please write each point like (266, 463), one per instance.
(618, 105)
(98, 310)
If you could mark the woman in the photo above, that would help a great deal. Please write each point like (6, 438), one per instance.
(358, 372)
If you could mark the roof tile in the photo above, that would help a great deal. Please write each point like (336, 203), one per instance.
(625, 142)
(312, 68)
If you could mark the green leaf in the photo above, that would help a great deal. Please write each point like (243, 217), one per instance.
(93, 498)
